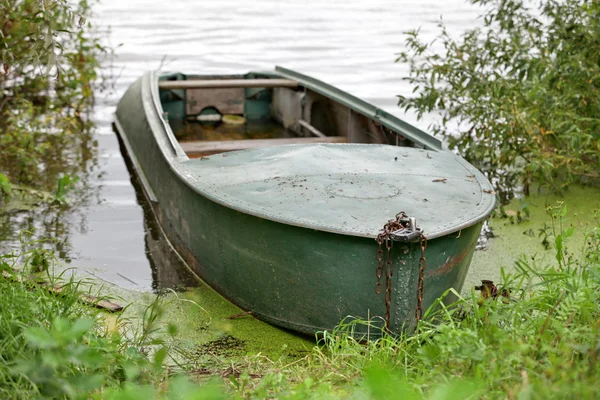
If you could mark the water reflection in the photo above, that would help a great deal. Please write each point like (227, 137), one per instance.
(168, 270)
(30, 217)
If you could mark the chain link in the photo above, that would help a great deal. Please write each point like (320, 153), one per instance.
(379, 271)
(389, 272)
(421, 284)
(391, 226)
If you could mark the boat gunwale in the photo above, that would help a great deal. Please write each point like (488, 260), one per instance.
(364, 108)
(176, 159)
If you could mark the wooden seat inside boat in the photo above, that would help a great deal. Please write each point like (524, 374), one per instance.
(200, 148)
(266, 112)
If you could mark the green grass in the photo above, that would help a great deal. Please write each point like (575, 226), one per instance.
(543, 341)
(53, 346)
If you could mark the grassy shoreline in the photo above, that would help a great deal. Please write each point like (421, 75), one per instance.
(542, 342)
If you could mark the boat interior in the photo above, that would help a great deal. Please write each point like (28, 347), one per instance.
(214, 114)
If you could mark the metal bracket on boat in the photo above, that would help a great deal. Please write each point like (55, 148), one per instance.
(410, 232)
(402, 229)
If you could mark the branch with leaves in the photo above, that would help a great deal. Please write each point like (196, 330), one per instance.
(518, 96)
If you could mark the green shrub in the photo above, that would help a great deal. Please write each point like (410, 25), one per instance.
(518, 96)
(49, 57)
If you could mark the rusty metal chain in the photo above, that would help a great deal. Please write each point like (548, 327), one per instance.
(389, 272)
(391, 226)
(421, 284)
(379, 272)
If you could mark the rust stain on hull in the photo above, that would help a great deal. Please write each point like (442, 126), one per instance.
(451, 263)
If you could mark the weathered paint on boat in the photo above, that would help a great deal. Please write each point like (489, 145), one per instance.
(300, 272)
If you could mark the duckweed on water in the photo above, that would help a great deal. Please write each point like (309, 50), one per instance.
(513, 238)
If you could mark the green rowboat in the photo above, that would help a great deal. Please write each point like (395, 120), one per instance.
(274, 188)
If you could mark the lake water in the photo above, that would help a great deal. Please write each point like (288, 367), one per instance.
(351, 44)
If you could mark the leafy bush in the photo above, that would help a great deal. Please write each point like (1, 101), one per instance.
(519, 96)
(47, 46)
(48, 58)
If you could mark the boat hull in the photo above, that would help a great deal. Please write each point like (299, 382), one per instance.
(294, 277)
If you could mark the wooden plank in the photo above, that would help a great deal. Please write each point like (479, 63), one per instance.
(199, 147)
(227, 83)
(88, 299)
(83, 297)
(311, 128)
(227, 101)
